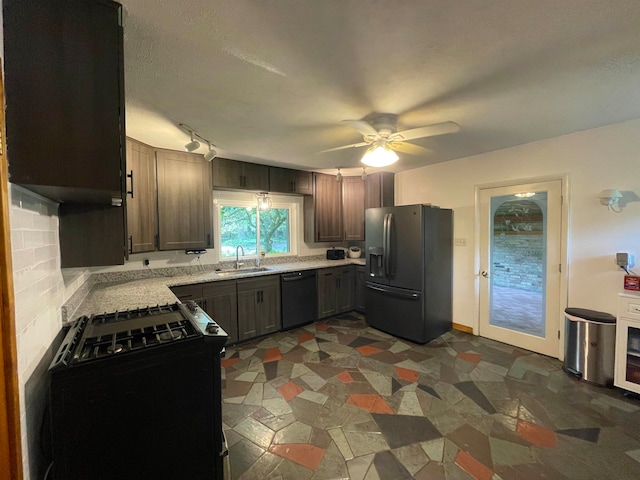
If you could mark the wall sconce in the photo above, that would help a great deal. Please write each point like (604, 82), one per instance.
(610, 197)
(339, 175)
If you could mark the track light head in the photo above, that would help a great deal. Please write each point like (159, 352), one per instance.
(211, 154)
(192, 145)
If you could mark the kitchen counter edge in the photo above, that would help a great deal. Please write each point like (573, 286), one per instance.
(137, 293)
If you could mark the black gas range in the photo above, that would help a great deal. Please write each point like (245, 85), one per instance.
(137, 395)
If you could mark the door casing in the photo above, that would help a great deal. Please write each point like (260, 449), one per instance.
(564, 263)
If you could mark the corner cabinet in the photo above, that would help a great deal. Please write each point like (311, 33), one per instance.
(258, 307)
(142, 216)
(627, 355)
(243, 175)
(322, 211)
(184, 200)
(286, 180)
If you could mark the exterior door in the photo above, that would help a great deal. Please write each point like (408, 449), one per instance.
(520, 259)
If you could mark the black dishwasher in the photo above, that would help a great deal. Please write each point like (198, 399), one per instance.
(299, 298)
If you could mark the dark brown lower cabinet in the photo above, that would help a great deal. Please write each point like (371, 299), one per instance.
(221, 304)
(258, 307)
(361, 288)
(336, 290)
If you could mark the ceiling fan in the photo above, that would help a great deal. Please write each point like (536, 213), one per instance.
(383, 139)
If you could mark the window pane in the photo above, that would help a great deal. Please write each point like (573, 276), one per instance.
(274, 230)
(238, 227)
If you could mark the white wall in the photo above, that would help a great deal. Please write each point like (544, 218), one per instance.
(607, 157)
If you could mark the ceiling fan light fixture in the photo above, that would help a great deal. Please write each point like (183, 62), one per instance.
(379, 156)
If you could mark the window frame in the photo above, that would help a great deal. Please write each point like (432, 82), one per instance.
(233, 201)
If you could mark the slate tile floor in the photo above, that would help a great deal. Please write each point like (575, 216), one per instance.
(339, 400)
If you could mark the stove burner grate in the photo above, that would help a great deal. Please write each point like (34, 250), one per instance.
(139, 331)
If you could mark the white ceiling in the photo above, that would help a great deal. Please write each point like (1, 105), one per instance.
(270, 81)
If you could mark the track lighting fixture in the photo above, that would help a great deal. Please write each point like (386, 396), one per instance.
(192, 145)
(339, 175)
(195, 142)
(211, 154)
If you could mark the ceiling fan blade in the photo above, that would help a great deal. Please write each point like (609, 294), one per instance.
(427, 131)
(361, 126)
(355, 145)
(409, 148)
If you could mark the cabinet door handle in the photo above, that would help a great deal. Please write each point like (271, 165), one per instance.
(258, 296)
(208, 239)
(130, 175)
(130, 243)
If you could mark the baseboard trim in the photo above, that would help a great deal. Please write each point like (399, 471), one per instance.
(462, 328)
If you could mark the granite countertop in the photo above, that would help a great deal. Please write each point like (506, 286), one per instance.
(138, 292)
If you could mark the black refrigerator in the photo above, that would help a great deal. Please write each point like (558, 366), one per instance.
(409, 252)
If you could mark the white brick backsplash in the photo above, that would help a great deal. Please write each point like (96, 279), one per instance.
(22, 259)
(39, 289)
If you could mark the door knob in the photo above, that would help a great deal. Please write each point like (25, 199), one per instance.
(485, 274)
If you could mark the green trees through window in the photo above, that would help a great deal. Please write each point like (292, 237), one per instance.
(255, 230)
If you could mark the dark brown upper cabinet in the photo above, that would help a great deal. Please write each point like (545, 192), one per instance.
(323, 210)
(286, 180)
(64, 85)
(353, 208)
(184, 200)
(379, 190)
(142, 216)
(241, 175)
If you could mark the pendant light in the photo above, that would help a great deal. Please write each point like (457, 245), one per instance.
(264, 201)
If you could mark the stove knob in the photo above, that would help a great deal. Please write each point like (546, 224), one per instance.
(212, 328)
(191, 305)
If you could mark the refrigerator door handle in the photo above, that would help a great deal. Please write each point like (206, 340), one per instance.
(393, 291)
(385, 248)
(389, 248)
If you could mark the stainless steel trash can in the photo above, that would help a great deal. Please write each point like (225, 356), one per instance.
(590, 338)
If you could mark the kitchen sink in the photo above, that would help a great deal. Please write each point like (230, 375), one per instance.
(231, 273)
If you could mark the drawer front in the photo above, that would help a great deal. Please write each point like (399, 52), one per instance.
(629, 307)
(187, 292)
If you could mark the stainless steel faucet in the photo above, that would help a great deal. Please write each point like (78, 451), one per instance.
(238, 264)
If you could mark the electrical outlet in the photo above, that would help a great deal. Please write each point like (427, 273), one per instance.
(460, 242)
(145, 262)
